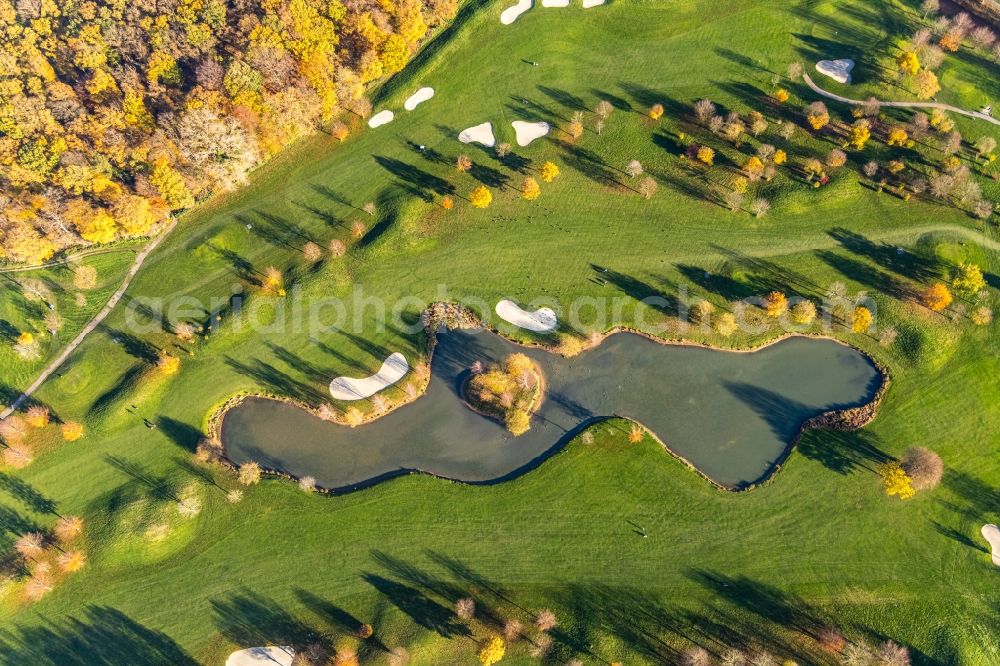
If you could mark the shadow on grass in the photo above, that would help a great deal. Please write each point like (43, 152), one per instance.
(98, 636)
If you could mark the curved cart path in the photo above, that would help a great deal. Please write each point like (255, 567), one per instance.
(922, 105)
(92, 324)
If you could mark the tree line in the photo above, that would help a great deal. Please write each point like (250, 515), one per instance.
(113, 114)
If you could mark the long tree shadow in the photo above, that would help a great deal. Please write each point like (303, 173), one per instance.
(27, 494)
(563, 98)
(159, 486)
(843, 452)
(238, 266)
(425, 182)
(865, 274)
(133, 345)
(247, 618)
(905, 263)
(424, 611)
(639, 290)
(959, 537)
(276, 381)
(974, 498)
(182, 434)
(767, 602)
(489, 176)
(98, 636)
(297, 363)
(590, 165)
(336, 616)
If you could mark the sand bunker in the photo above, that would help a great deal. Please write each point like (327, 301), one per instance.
(528, 132)
(511, 14)
(542, 320)
(381, 118)
(838, 70)
(262, 656)
(555, 3)
(992, 534)
(418, 98)
(587, 4)
(479, 134)
(348, 388)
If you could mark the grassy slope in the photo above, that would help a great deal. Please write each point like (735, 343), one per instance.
(556, 537)
(18, 313)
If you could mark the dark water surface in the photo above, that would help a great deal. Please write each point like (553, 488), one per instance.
(732, 415)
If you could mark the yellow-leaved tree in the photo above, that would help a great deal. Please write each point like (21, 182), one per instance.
(549, 172)
(481, 197)
(531, 189)
(492, 651)
(895, 481)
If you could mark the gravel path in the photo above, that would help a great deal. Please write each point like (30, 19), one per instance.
(916, 105)
(93, 324)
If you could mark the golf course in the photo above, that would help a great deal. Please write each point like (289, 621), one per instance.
(744, 309)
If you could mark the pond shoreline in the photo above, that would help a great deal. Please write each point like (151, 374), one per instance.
(453, 317)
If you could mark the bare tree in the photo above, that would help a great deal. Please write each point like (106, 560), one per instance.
(545, 620)
(312, 252)
(704, 110)
(634, 168)
(733, 200)
(604, 109)
(795, 71)
(337, 248)
(647, 187)
(512, 629)
(696, 656)
(760, 207)
(465, 608)
(924, 467)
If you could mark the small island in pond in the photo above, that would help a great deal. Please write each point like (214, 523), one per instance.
(509, 391)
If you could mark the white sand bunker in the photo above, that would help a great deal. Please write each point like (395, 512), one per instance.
(418, 98)
(838, 70)
(511, 14)
(479, 134)
(587, 4)
(262, 656)
(528, 132)
(992, 534)
(381, 118)
(555, 3)
(348, 388)
(542, 320)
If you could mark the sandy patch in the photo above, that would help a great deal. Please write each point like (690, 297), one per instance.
(838, 70)
(348, 388)
(418, 98)
(992, 534)
(542, 320)
(511, 14)
(555, 3)
(381, 118)
(479, 134)
(528, 132)
(262, 656)
(587, 4)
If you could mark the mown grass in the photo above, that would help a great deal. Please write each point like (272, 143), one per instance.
(819, 543)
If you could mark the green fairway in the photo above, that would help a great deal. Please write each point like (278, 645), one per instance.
(819, 544)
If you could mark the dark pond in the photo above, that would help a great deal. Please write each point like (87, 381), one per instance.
(732, 415)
